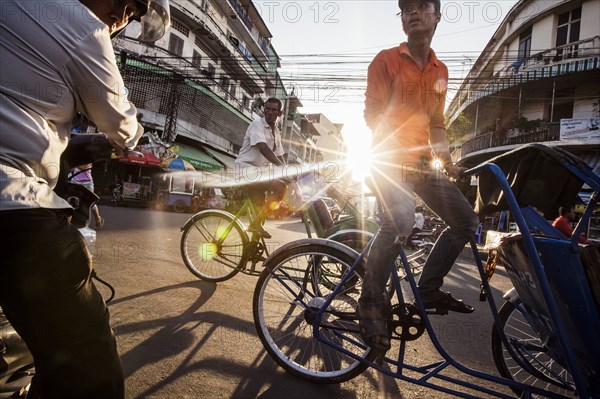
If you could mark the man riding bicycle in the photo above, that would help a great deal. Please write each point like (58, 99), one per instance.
(56, 59)
(262, 147)
(405, 97)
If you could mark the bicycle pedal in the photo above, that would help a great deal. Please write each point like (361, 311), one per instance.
(437, 311)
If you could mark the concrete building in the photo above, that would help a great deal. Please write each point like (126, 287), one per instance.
(207, 78)
(537, 80)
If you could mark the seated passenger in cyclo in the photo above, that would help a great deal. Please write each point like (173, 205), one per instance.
(564, 223)
(260, 150)
(405, 97)
(46, 291)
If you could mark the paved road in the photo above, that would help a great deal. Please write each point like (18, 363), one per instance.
(180, 337)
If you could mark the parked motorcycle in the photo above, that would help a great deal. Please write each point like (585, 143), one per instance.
(116, 195)
(423, 239)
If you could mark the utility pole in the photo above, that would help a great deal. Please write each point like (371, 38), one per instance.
(284, 125)
(170, 130)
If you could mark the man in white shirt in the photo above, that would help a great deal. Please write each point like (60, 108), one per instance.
(261, 148)
(419, 219)
(57, 59)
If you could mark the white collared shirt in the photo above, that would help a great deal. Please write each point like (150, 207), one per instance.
(259, 131)
(51, 68)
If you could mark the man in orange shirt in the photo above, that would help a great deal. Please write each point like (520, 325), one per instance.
(405, 97)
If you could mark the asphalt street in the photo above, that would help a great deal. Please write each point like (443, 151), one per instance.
(180, 337)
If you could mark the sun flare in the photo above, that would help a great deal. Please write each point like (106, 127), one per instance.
(358, 156)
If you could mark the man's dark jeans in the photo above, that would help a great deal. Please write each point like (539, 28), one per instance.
(48, 296)
(395, 189)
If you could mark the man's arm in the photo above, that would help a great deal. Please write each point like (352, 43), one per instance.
(268, 153)
(376, 95)
(101, 93)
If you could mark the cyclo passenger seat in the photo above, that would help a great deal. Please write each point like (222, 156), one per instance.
(547, 178)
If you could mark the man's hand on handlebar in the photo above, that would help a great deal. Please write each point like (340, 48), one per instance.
(118, 150)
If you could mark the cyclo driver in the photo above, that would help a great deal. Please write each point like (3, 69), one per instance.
(56, 59)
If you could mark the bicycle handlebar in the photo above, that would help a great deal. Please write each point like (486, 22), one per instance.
(90, 148)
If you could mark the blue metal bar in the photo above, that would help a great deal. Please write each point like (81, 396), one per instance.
(559, 327)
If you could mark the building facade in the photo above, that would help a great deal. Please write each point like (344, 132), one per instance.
(207, 78)
(537, 80)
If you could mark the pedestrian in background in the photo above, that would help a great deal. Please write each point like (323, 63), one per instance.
(82, 175)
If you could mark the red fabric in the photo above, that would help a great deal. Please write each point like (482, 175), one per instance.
(563, 225)
(402, 99)
(148, 159)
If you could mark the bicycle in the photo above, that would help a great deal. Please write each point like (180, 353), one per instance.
(215, 245)
(310, 328)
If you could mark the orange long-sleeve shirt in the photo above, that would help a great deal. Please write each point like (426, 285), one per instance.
(404, 101)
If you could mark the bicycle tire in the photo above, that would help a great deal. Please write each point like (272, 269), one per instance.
(283, 315)
(516, 328)
(352, 238)
(201, 253)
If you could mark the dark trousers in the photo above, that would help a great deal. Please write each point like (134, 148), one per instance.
(47, 294)
(395, 189)
(275, 190)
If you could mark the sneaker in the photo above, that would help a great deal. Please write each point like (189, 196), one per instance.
(440, 302)
(259, 230)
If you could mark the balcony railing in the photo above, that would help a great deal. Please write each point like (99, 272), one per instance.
(549, 132)
(243, 16)
(579, 56)
(241, 13)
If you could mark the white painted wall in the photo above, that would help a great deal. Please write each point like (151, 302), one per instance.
(590, 15)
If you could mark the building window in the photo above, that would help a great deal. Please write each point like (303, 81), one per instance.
(524, 44)
(246, 101)
(196, 59)
(176, 45)
(178, 26)
(562, 110)
(210, 70)
(224, 83)
(569, 25)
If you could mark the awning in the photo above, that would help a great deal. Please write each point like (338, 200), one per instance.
(147, 159)
(197, 157)
(227, 160)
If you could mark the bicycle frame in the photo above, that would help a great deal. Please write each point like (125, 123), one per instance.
(574, 291)
(254, 237)
(428, 371)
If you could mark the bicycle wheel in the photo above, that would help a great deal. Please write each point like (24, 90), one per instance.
(546, 374)
(288, 294)
(209, 255)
